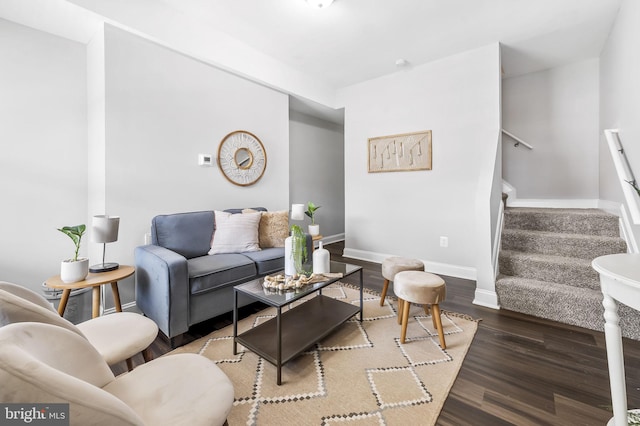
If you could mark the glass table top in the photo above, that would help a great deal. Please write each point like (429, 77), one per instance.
(278, 298)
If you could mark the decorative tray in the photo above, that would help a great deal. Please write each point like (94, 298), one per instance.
(292, 282)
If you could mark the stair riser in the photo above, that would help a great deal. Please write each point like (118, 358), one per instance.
(582, 276)
(554, 244)
(552, 304)
(579, 307)
(571, 224)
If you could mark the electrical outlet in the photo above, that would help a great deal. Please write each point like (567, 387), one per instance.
(444, 241)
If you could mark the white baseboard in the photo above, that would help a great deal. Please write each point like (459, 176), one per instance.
(125, 308)
(486, 298)
(508, 189)
(457, 271)
(367, 256)
(554, 203)
(610, 207)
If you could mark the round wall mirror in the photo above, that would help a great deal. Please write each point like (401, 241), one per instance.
(243, 158)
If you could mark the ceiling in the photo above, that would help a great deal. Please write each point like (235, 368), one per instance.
(353, 40)
(356, 40)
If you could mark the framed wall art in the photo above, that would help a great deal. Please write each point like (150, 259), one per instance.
(400, 153)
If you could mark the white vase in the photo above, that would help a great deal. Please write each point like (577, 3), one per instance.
(314, 230)
(321, 260)
(72, 272)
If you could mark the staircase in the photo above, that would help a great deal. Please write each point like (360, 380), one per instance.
(545, 265)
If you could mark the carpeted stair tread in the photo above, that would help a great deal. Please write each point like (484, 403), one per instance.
(562, 303)
(566, 270)
(545, 265)
(574, 221)
(555, 243)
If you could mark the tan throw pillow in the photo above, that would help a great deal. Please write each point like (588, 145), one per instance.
(235, 233)
(274, 228)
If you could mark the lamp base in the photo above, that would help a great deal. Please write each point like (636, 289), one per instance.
(104, 267)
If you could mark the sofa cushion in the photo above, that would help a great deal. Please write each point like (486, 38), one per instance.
(235, 233)
(188, 234)
(268, 260)
(209, 272)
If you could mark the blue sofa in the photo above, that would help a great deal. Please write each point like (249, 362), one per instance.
(178, 284)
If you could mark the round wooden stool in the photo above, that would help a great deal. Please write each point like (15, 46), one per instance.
(422, 288)
(392, 265)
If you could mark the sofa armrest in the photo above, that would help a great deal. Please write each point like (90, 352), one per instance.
(162, 288)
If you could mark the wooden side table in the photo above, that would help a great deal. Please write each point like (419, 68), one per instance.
(94, 280)
(619, 281)
(316, 238)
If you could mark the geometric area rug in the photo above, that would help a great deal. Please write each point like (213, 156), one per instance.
(359, 375)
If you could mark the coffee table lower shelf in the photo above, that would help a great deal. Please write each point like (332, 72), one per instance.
(299, 329)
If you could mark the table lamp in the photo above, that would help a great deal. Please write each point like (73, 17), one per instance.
(104, 229)
(297, 211)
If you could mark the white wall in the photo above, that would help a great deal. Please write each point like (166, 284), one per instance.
(405, 213)
(556, 111)
(620, 96)
(620, 101)
(43, 165)
(163, 109)
(316, 171)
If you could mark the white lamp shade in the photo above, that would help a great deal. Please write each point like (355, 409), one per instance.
(104, 229)
(297, 211)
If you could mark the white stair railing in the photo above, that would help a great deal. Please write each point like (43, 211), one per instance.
(628, 182)
(517, 139)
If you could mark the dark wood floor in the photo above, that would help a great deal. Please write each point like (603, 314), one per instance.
(520, 370)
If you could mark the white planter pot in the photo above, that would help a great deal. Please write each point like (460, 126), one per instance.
(72, 272)
(314, 230)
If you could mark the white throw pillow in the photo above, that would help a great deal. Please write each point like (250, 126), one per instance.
(235, 233)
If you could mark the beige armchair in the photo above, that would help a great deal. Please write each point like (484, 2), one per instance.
(43, 363)
(117, 337)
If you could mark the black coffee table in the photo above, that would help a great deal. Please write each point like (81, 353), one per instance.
(295, 330)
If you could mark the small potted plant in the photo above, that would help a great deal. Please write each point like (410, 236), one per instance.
(76, 268)
(311, 212)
